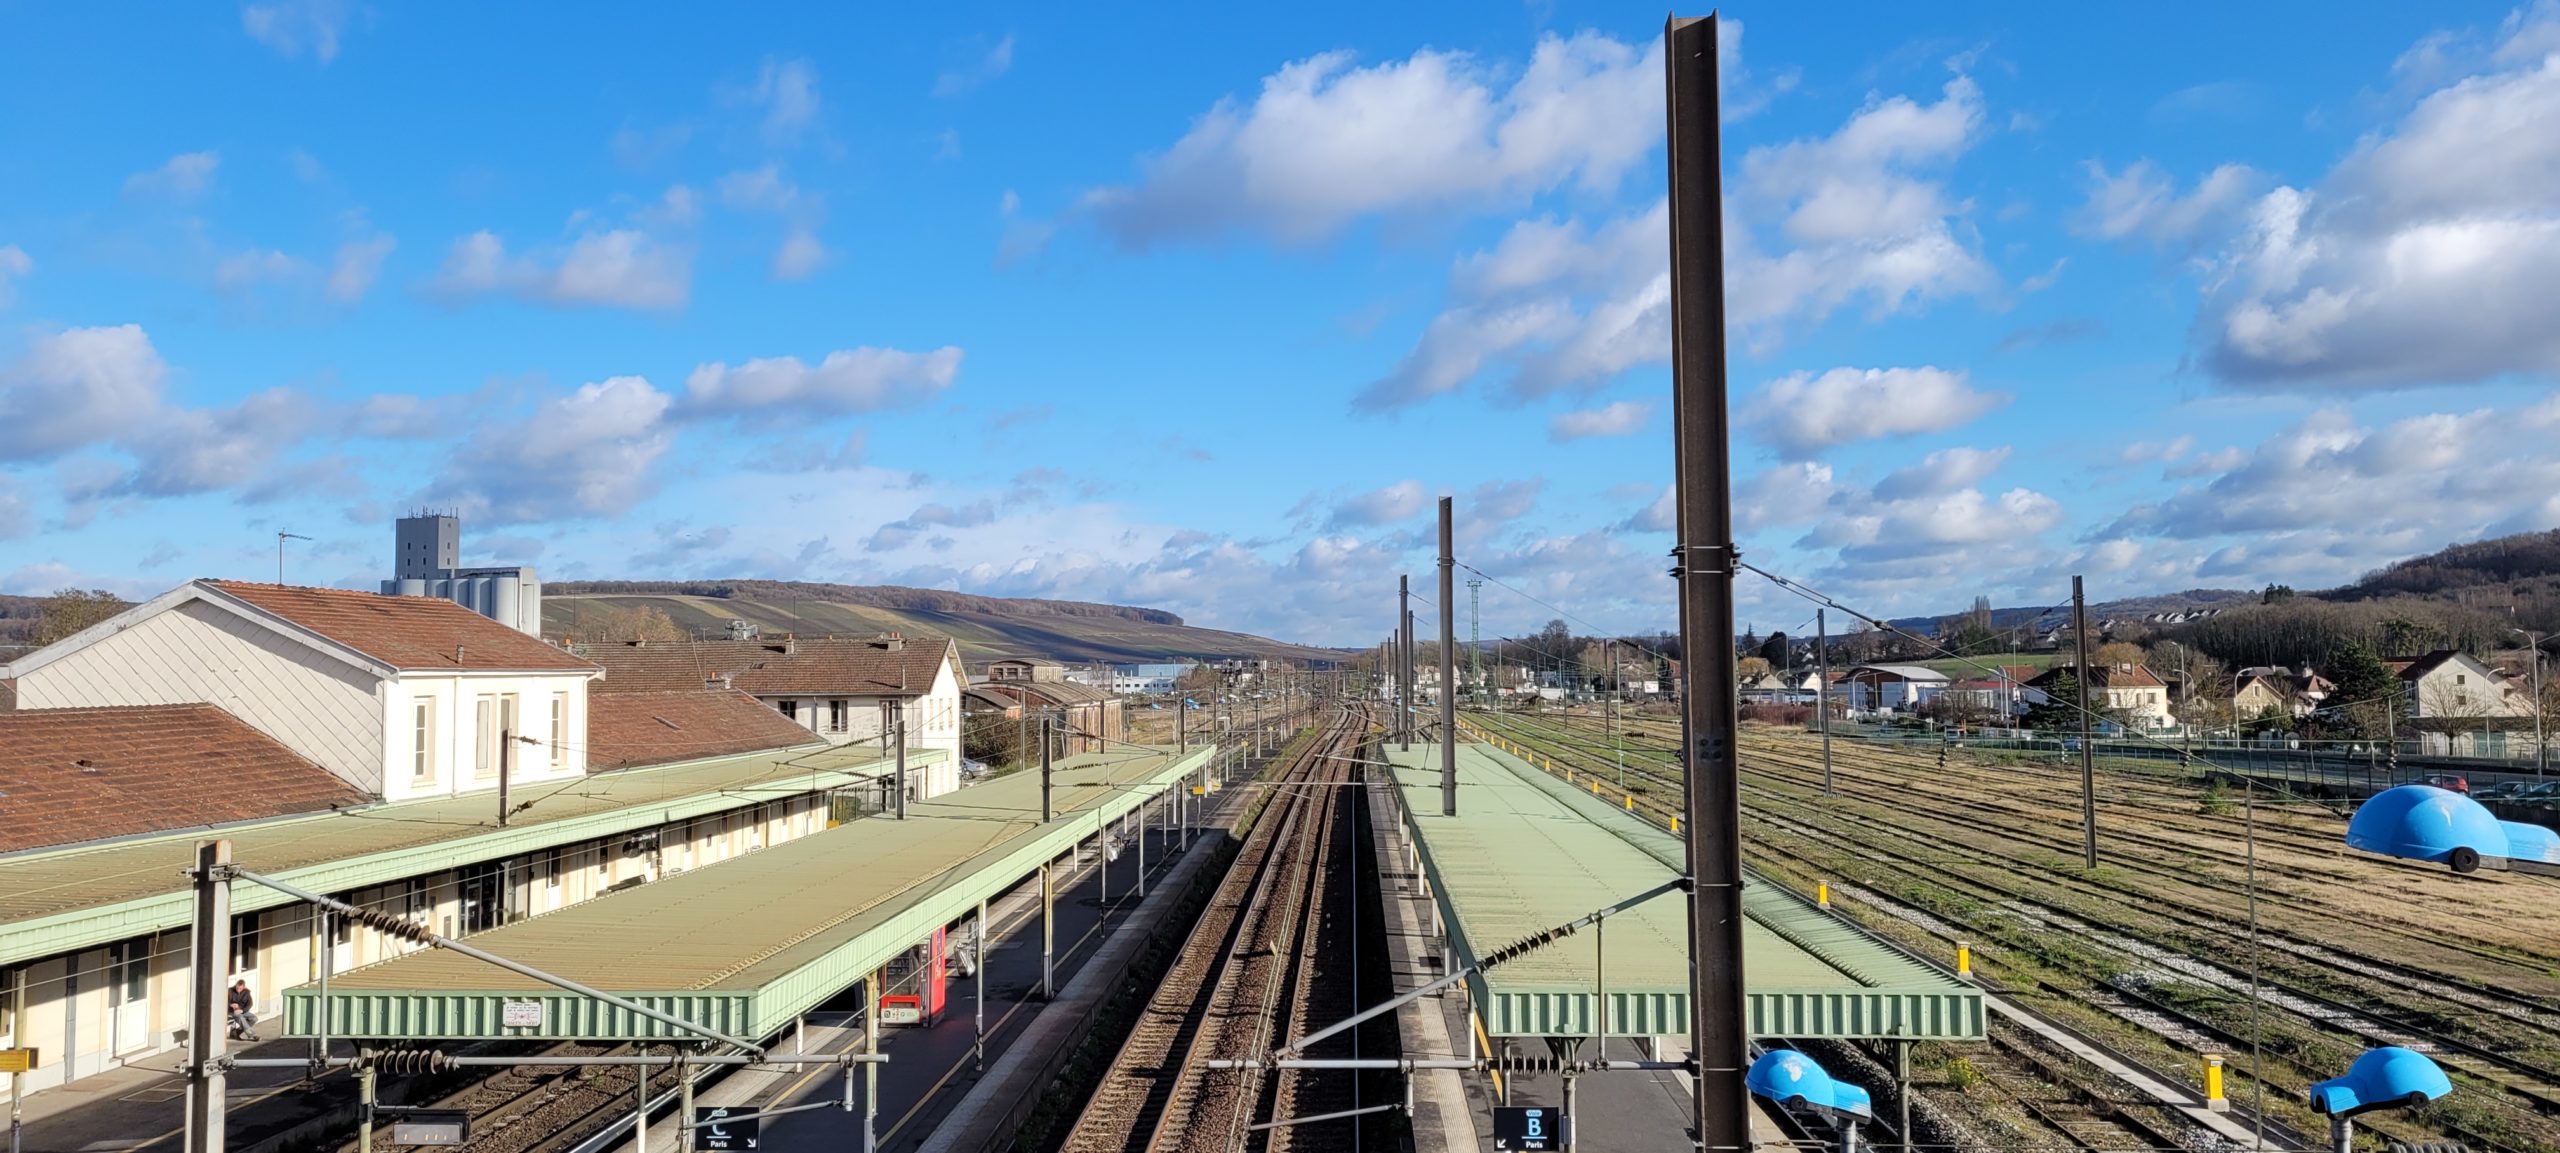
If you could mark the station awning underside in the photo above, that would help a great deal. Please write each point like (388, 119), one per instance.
(1528, 852)
(53, 901)
(746, 946)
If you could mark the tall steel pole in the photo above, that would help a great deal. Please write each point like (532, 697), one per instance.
(2088, 754)
(1404, 663)
(1703, 560)
(1822, 691)
(209, 959)
(1448, 668)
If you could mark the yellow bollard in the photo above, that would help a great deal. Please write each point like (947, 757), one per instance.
(1595, 788)
(1964, 959)
(1822, 894)
(1631, 802)
(2213, 1098)
(1675, 824)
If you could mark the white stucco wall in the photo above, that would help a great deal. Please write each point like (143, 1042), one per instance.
(454, 742)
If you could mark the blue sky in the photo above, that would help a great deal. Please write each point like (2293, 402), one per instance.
(1198, 310)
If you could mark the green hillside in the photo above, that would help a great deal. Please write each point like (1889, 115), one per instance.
(986, 627)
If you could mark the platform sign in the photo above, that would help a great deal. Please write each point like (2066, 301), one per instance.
(432, 1127)
(712, 1129)
(1529, 1127)
(520, 1015)
(17, 1060)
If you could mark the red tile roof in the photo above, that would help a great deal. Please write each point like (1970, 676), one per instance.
(404, 632)
(626, 730)
(830, 666)
(72, 775)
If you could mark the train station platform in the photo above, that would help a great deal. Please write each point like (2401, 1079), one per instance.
(746, 947)
(1527, 852)
(85, 896)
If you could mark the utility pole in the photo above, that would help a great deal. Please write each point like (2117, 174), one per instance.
(506, 770)
(1609, 653)
(1048, 895)
(1475, 637)
(1822, 691)
(208, 947)
(900, 731)
(2088, 754)
(1404, 663)
(1448, 668)
(1704, 566)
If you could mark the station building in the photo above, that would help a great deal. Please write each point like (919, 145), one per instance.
(353, 744)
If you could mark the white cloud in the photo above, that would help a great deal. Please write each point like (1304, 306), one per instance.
(2426, 257)
(2332, 497)
(1943, 472)
(1935, 525)
(1617, 418)
(994, 63)
(1395, 503)
(865, 379)
(15, 265)
(1794, 493)
(1498, 501)
(1327, 142)
(183, 451)
(767, 190)
(242, 271)
(16, 519)
(2143, 202)
(357, 265)
(1802, 414)
(184, 175)
(290, 26)
(591, 453)
(621, 268)
(1856, 216)
(788, 92)
(898, 534)
(799, 257)
(77, 387)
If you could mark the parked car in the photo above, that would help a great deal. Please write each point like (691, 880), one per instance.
(2447, 781)
(2070, 744)
(2500, 790)
(2543, 793)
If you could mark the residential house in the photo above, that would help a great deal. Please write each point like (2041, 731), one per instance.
(844, 689)
(1024, 669)
(2291, 693)
(2450, 684)
(2131, 693)
(400, 697)
(1887, 688)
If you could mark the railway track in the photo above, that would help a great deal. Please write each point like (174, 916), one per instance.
(2001, 860)
(1263, 962)
(522, 1109)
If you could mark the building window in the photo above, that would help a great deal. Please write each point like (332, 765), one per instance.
(244, 943)
(507, 731)
(551, 869)
(416, 905)
(2462, 678)
(839, 714)
(559, 730)
(484, 736)
(422, 752)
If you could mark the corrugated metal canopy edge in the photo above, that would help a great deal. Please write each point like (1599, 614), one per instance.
(748, 945)
(1527, 852)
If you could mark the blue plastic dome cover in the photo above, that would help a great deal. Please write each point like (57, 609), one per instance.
(2425, 823)
(2531, 842)
(1784, 1075)
(2381, 1078)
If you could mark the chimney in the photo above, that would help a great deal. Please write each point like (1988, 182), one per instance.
(894, 642)
(716, 682)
